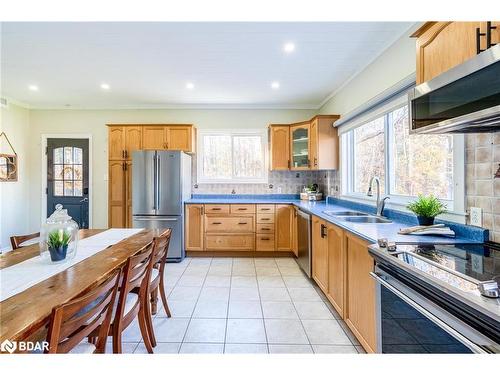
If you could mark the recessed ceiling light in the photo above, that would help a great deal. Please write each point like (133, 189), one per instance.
(275, 85)
(33, 87)
(105, 86)
(289, 47)
(190, 85)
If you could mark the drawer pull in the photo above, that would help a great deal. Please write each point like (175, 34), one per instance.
(215, 209)
(217, 223)
(242, 209)
(265, 239)
(265, 219)
(265, 228)
(265, 209)
(242, 223)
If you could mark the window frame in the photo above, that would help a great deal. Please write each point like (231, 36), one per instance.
(456, 206)
(202, 179)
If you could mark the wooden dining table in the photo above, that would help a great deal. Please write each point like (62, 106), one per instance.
(26, 314)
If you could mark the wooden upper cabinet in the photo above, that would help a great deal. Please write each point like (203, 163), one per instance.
(360, 310)
(194, 231)
(444, 45)
(168, 137)
(132, 140)
(154, 137)
(180, 138)
(320, 253)
(123, 140)
(309, 145)
(336, 265)
(299, 146)
(313, 143)
(284, 215)
(279, 147)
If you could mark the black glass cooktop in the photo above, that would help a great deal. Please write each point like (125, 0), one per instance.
(480, 262)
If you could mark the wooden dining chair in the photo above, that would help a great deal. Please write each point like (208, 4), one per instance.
(72, 322)
(160, 250)
(131, 301)
(17, 241)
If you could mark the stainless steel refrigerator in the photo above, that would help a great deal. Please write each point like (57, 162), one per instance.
(161, 181)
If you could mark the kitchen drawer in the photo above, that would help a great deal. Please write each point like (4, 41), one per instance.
(264, 242)
(216, 208)
(243, 208)
(265, 218)
(236, 242)
(225, 224)
(265, 208)
(265, 228)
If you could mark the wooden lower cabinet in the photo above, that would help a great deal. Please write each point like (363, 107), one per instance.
(360, 292)
(239, 227)
(235, 242)
(320, 253)
(194, 227)
(341, 267)
(283, 227)
(336, 267)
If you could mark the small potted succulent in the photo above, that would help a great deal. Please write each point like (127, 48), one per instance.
(426, 208)
(57, 243)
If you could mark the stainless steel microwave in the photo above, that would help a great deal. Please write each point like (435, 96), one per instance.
(464, 99)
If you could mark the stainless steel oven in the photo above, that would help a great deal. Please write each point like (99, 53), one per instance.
(409, 322)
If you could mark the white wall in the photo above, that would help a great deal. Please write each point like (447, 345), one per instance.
(94, 122)
(14, 202)
(393, 65)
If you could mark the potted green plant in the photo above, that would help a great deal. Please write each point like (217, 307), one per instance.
(426, 208)
(57, 243)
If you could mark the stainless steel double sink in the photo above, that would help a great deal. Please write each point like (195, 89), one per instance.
(357, 217)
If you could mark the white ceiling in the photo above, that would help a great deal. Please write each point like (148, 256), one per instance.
(147, 65)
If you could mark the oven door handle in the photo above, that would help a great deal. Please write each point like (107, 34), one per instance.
(457, 335)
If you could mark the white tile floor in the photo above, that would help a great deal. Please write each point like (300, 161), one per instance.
(244, 305)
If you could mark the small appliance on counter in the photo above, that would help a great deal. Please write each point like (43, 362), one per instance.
(437, 298)
(311, 193)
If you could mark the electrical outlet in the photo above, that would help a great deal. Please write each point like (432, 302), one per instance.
(279, 189)
(476, 216)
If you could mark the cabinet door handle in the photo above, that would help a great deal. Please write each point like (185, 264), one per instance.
(123, 166)
(315, 162)
(126, 154)
(203, 210)
(123, 154)
(323, 234)
(288, 164)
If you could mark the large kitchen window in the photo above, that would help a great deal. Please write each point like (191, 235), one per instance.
(407, 165)
(232, 156)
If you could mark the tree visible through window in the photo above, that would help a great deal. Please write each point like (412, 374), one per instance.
(232, 156)
(423, 164)
(417, 164)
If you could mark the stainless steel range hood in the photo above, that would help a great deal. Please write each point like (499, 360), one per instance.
(464, 99)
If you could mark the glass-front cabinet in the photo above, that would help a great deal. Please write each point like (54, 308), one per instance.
(299, 139)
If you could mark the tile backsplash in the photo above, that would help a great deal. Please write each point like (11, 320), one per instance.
(482, 159)
(279, 182)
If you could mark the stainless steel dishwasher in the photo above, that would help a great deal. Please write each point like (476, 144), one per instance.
(304, 241)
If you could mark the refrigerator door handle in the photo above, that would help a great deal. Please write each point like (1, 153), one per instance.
(153, 218)
(154, 182)
(158, 193)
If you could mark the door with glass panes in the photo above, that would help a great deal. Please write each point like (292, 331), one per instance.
(68, 177)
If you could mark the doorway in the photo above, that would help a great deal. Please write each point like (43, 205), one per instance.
(67, 177)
